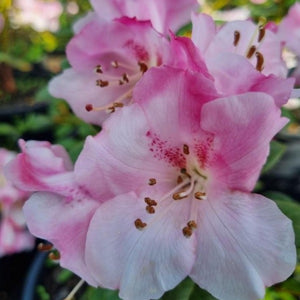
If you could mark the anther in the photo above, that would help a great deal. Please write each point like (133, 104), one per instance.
(121, 82)
(143, 67)
(237, 36)
(139, 224)
(150, 209)
(192, 224)
(260, 61)
(179, 179)
(89, 107)
(152, 181)
(199, 195)
(115, 64)
(111, 109)
(186, 149)
(118, 104)
(261, 34)
(102, 83)
(251, 51)
(150, 201)
(54, 255)
(125, 77)
(187, 231)
(99, 69)
(44, 247)
(178, 196)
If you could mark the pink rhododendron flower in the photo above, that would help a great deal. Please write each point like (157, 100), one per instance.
(164, 192)
(107, 60)
(41, 15)
(62, 215)
(260, 46)
(163, 14)
(14, 237)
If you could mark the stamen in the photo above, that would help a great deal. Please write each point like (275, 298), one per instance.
(184, 194)
(121, 82)
(260, 61)
(139, 224)
(251, 51)
(118, 104)
(150, 209)
(125, 77)
(143, 67)
(237, 36)
(115, 64)
(150, 201)
(179, 179)
(89, 107)
(54, 255)
(178, 196)
(261, 33)
(199, 195)
(187, 231)
(192, 224)
(44, 247)
(186, 149)
(99, 69)
(75, 290)
(102, 83)
(152, 181)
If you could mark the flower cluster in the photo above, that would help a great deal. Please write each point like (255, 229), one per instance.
(14, 237)
(164, 190)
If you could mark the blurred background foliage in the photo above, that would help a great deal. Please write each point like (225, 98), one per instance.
(30, 56)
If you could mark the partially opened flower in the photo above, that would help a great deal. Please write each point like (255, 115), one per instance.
(107, 61)
(181, 165)
(164, 15)
(14, 236)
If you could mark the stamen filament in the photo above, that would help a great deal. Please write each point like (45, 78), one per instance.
(75, 290)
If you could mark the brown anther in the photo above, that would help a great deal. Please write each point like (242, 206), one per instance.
(178, 196)
(99, 69)
(150, 209)
(183, 171)
(237, 37)
(143, 67)
(261, 34)
(260, 61)
(150, 201)
(187, 231)
(199, 195)
(186, 149)
(139, 224)
(44, 247)
(111, 109)
(89, 107)
(102, 83)
(118, 104)
(192, 224)
(115, 64)
(179, 179)
(54, 255)
(152, 181)
(125, 77)
(251, 51)
(121, 82)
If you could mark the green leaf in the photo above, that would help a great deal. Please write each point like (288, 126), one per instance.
(277, 149)
(199, 293)
(63, 276)
(182, 292)
(97, 294)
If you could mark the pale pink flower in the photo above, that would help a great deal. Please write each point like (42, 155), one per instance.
(165, 193)
(182, 166)
(107, 60)
(164, 15)
(41, 15)
(14, 237)
(63, 208)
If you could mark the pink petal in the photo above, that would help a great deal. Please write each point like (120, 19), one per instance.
(141, 263)
(64, 224)
(242, 136)
(244, 244)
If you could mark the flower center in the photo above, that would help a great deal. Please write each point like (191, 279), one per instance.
(119, 75)
(190, 185)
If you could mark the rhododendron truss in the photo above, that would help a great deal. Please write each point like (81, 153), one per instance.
(164, 192)
(14, 236)
(107, 60)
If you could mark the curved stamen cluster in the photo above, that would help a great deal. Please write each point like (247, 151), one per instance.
(113, 80)
(253, 49)
(190, 184)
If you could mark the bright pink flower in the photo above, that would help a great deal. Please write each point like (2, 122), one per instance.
(163, 14)
(260, 46)
(194, 161)
(60, 214)
(14, 237)
(107, 60)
